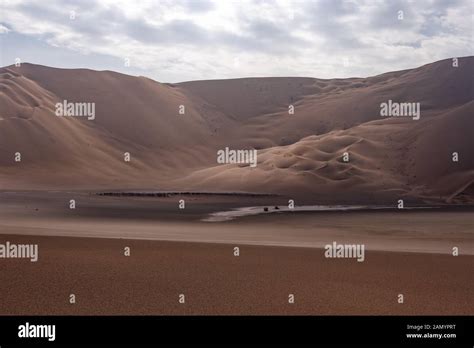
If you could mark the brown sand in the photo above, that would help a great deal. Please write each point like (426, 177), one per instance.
(299, 155)
(216, 282)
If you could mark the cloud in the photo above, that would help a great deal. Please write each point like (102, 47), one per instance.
(200, 39)
(197, 6)
(3, 29)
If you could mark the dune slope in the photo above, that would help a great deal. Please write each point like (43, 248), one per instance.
(335, 145)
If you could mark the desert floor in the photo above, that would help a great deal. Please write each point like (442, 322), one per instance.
(173, 252)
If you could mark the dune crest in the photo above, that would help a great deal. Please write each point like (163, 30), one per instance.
(334, 146)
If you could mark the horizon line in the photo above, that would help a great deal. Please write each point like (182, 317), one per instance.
(236, 78)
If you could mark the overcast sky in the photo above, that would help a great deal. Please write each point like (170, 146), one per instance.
(180, 40)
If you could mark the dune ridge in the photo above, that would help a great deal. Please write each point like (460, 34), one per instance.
(299, 155)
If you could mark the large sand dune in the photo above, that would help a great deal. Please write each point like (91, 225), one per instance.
(300, 154)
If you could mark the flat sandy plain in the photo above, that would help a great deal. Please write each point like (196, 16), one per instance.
(174, 252)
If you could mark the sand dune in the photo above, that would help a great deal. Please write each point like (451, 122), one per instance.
(299, 154)
(387, 159)
(134, 115)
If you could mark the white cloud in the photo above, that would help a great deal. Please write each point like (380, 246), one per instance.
(3, 29)
(201, 39)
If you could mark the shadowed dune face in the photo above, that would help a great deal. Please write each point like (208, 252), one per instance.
(334, 146)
